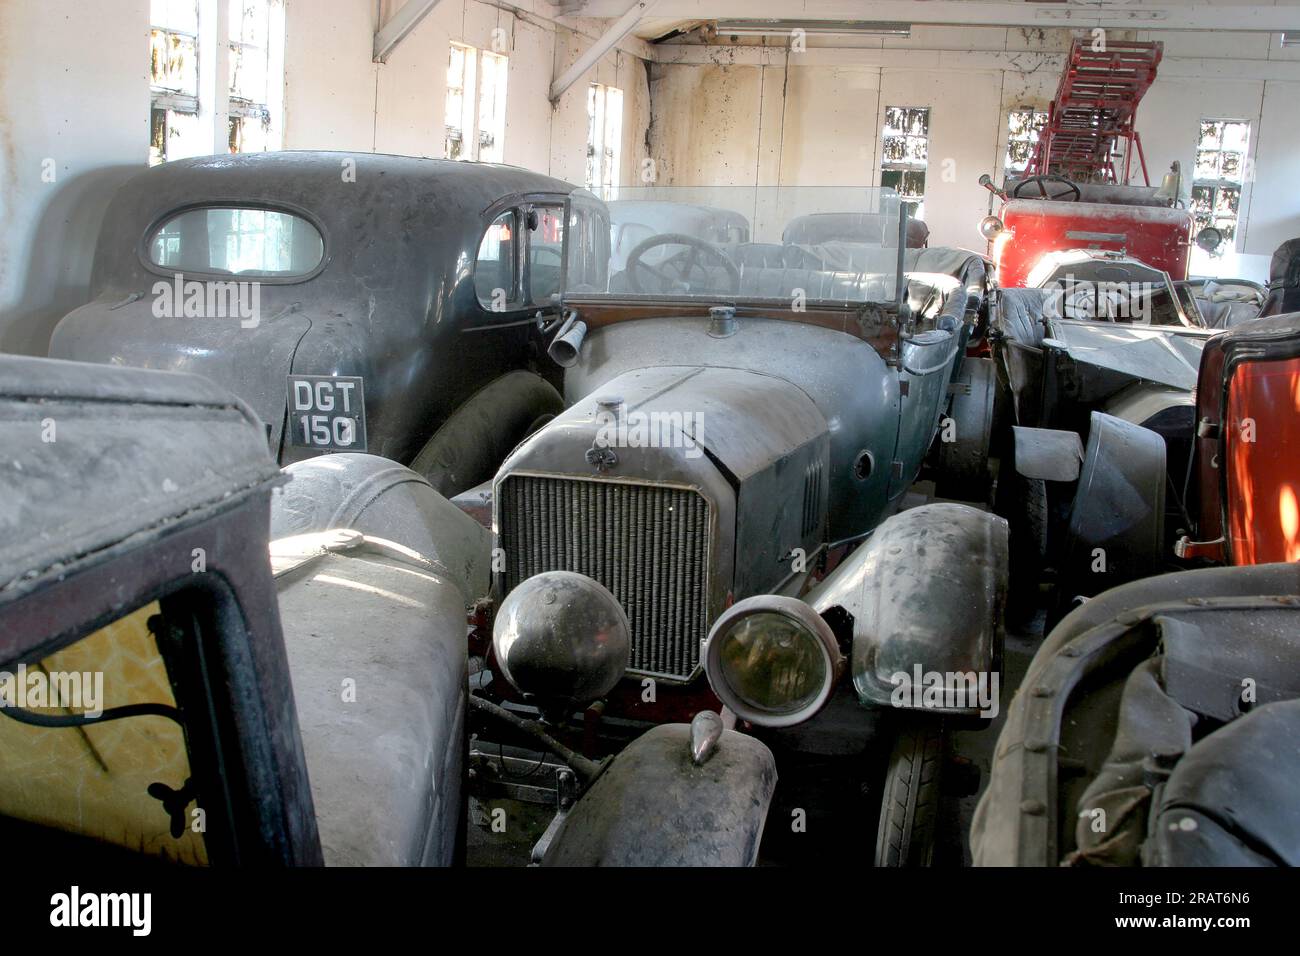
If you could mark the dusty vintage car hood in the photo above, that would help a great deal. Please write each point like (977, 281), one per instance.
(1164, 355)
(252, 362)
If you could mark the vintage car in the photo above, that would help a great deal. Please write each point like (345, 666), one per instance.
(356, 302)
(169, 691)
(1241, 491)
(737, 427)
(1049, 213)
(1156, 726)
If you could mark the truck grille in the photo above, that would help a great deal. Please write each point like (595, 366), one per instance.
(647, 544)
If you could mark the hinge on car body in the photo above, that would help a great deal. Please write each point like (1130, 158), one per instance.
(1185, 547)
(1207, 429)
(903, 387)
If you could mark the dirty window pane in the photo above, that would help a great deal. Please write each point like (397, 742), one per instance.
(459, 103)
(492, 107)
(1222, 147)
(173, 62)
(905, 152)
(495, 278)
(1023, 129)
(219, 240)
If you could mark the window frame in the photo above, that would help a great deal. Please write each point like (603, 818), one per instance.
(521, 205)
(1219, 184)
(904, 167)
(472, 103)
(146, 241)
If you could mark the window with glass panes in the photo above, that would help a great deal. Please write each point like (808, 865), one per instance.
(1219, 174)
(604, 134)
(1023, 130)
(904, 153)
(476, 104)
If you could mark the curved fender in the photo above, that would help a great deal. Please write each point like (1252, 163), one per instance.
(384, 500)
(1117, 521)
(477, 437)
(926, 592)
(654, 806)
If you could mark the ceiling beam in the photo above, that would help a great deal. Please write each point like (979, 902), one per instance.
(399, 25)
(620, 28)
(1252, 18)
(1022, 61)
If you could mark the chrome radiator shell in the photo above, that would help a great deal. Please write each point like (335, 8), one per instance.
(647, 543)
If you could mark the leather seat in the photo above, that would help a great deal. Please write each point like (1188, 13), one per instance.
(1020, 315)
(1283, 280)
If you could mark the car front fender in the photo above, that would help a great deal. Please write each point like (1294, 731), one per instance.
(654, 806)
(925, 593)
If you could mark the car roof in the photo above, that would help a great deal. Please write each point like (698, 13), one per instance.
(101, 456)
(378, 213)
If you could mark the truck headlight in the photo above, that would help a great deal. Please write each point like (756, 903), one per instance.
(772, 660)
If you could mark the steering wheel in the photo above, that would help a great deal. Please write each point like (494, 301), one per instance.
(683, 263)
(1072, 192)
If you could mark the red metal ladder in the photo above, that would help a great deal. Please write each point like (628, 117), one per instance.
(1094, 109)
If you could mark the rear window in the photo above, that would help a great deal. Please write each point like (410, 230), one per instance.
(227, 240)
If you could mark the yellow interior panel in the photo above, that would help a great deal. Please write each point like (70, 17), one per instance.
(93, 780)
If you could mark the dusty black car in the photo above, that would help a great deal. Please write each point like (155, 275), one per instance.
(357, 302)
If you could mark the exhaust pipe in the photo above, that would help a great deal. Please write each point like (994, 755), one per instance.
(567, 344)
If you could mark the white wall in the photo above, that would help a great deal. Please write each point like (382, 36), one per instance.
(337, 98)
(749, 115)
(74, 123)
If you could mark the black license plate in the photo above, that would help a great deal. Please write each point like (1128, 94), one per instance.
(327, 412)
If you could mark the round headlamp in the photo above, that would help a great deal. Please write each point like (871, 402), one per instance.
(772, 660)
(561, 638)
(991, 227)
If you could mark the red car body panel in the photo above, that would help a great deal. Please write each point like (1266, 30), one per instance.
(1156, 235)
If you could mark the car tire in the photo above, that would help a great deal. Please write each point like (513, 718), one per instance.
(909, 803)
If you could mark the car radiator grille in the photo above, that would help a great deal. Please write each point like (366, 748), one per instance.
(647, 544)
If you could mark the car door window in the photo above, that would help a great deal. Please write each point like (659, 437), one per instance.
(545, 253)
(496, 269)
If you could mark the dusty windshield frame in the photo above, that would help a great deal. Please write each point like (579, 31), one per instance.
(853, 260)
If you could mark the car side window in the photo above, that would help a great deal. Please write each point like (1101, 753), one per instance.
(496, 269)
(545, 253)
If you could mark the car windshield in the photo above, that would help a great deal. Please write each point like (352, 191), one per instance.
(818, 245)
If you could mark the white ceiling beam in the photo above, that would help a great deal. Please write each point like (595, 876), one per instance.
(620, 28)
(1253, 18)
(901, 58)
(399, 25)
